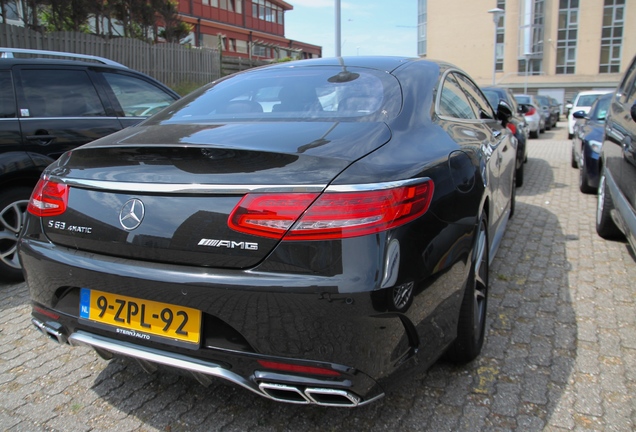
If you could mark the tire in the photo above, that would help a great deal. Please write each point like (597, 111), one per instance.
(471, 327)
(584, 182)
(570, 135)
(605, 226)
(519, 176)
(513, 195)
(13, 203)
(534, 134)
(573, 162)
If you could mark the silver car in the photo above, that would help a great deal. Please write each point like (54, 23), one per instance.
(534, 117)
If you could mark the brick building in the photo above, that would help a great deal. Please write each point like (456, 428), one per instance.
(244, 28)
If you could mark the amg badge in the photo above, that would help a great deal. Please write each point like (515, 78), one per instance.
(228, 244)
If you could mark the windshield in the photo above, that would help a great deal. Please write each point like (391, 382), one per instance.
(298, 93)
(586, 100)
(599, 109)
(523, 99)
(493, 98)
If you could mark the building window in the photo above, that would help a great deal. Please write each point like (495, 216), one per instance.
(612, 36)
(267, 11)
(260, 51)
(567, 34)
(533, 66)
(531, 30)
(241, 46)
(501, 26)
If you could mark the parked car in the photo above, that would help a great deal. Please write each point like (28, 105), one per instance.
(534, 116)
(615, 216)
(587, 142)
(548, 112)
(582, 102)
(555, 109)
(517, 123)
(50, 106)
(304, 252)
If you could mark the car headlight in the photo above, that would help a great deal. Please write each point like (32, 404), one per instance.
(595, 146)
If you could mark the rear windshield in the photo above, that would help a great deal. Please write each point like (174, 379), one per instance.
(586, 100)
(523, 99)
(300, 93)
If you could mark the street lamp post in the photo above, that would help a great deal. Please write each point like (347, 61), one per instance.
(337, 42)
(496, 14)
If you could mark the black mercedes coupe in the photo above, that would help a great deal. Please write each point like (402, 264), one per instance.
(302, 230)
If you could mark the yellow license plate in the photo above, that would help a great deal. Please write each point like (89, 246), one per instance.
(137, 317)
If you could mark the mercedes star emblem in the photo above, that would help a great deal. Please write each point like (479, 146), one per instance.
(131, 214)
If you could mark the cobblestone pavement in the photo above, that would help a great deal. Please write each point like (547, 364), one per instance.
(560, 353)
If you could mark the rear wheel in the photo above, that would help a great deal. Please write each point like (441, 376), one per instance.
(519, 176)
(605, 226)
(13, 204)
(534, 134)
(471, 326)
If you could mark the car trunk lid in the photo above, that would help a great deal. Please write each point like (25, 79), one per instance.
(165, 193)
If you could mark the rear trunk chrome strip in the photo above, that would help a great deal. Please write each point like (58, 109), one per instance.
(184, 188)
(225, 189)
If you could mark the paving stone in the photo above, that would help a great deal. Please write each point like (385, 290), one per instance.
(560, 353)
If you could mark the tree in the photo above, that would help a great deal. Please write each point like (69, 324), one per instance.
(174, 28)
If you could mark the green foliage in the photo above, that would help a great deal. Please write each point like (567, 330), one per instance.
(136, 18)
(184, 88)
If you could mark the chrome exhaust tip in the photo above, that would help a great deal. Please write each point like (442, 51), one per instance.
(52, 330)
(332, 397)
(284, 393)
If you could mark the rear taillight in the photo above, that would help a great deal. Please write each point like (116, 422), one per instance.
(48, 198)
(512, 127)
(331, 215)
(531, 111)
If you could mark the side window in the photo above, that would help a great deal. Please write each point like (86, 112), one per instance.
(477, 100)
(59, 93)
(453, 101)
(7, 97)
(137, 97)
(627, 88)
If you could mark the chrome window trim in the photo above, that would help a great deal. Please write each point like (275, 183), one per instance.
(438, 98)
(225, 189)
(73, 117)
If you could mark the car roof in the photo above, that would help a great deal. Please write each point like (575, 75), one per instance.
(594, 92)
(7, 63)
(384, 63)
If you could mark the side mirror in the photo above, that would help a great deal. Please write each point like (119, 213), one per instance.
(633, 112)
(579, 115)
(504, 111)
(569, 105)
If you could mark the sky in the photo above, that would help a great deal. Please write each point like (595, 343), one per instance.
(368, 27)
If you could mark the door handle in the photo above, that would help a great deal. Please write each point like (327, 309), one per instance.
(42, 140)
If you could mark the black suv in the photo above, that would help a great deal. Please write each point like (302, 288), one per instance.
(49, 106)
(516, 122)
(615, 214)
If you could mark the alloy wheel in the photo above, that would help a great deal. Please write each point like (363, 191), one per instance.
(481, 283)
(11, 220)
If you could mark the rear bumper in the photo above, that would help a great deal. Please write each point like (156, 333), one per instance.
(277, 323)
(278, 387)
